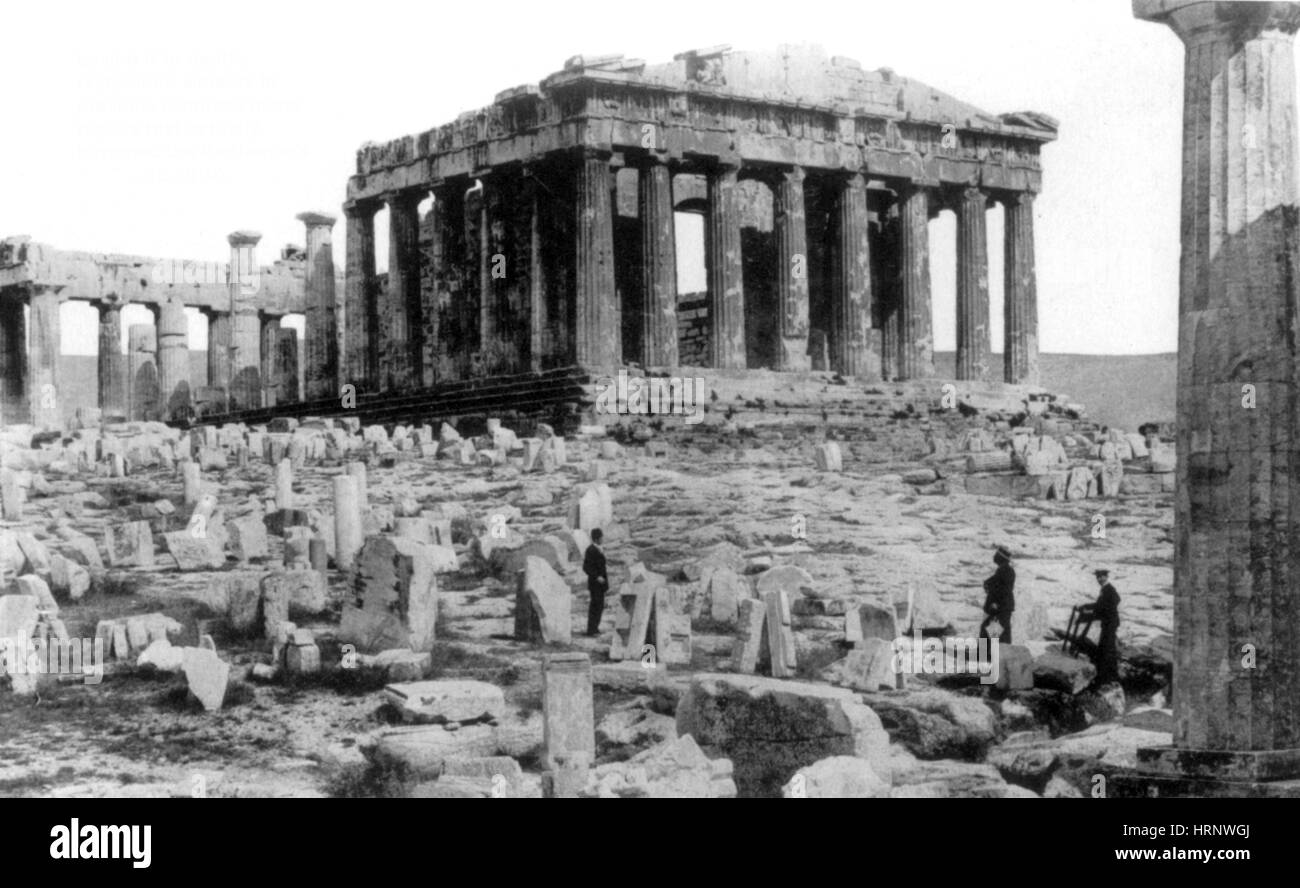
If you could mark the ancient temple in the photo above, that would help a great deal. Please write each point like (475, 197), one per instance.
(252, 362)
(539, 232)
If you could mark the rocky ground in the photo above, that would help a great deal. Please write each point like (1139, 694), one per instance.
(750, 496)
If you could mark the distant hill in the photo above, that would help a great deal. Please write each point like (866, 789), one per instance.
(1119, 390)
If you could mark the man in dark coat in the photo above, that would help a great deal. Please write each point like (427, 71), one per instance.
(999, 596)
(1105, 610)
(593, 565)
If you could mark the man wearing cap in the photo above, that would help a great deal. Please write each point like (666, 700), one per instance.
(999, 595)
(1106, 611)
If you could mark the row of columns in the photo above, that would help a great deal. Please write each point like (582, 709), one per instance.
(397, 348)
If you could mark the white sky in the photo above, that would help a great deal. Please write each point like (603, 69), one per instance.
(157, 128)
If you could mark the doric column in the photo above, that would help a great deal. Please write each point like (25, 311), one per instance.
(44, 393)
(285, 371)
(538, 338)
(359, 275)
(399, 348)
(915, 335)
(1237, 510)
(791, 231)
(219, 350)
(142, 371)
(112, 363)
(13, 358)
(245, 387)
(1020, 302)
(851, 351)
(972, 286)
(658, 266)
(726, 292)
(488, 207)
(270, 340)
(322, 329)
(597, 338)
(430, 311)
(173, 359)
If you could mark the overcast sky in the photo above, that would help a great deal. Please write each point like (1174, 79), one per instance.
(156, 129)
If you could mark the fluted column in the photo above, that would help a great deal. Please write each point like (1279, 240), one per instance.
(322, 328)
(1237, 508)
(538, 335)
(112, 363)
(245, 326)
(726, 291)
(219, 350)
(789, 223)
(173, 359)
(142, 371)
(13, 359)
(915, 334)
(44, 392)
(398, 349)
(1020, 302)
(285, 370)
(658, 266)
(270, 343)
(851, 335)
(597, 337)
(972, 286)
(359, 276)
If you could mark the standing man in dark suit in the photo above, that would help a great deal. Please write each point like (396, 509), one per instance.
(1105, 610)
(999, 595)
(593, 565)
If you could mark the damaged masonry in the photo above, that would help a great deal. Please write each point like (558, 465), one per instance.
(371, 559)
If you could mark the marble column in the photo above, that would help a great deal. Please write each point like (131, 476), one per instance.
(722, 255)
(790, 227)
(13, 359)
(915, 333)
(658, 266)
(1020, 302)
(245, 387)
(597, 340)
(112, 363)
(44, 392)
(270, 339)
(1236, 686)
(852, 340)
(538, 333)
(142, 371)
(285, 371)
(430, 311)
(173, 359)
(322, 379)
(972, 286)
(359, 276)
(399, 348)
(219, 353)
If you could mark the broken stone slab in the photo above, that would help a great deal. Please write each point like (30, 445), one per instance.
(207, 676)
(248, 538)
(35, 587)
(303, 591)
(569, 726)
(794, 581)
(837, 777)
(935, 723)
(543, 604)
(770, 728)
(1015, 668)
(129, 544)
(195, 551)
(424, 750)
(1058, 671)
(870, 668)
(592, 507)
(399, 665)
(439, 702)
(394, 599)
(828, 457)
(726, 589)
(163, 656)
(674, 769)
(302, 659)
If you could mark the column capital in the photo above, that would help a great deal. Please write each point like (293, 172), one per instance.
(1014, 198)
(1196, 21)
(243, 238)
(316, 219)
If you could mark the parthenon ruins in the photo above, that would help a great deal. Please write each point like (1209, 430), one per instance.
(538, 234)
(529, 263)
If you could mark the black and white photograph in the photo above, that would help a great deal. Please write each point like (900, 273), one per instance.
(884, 400)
